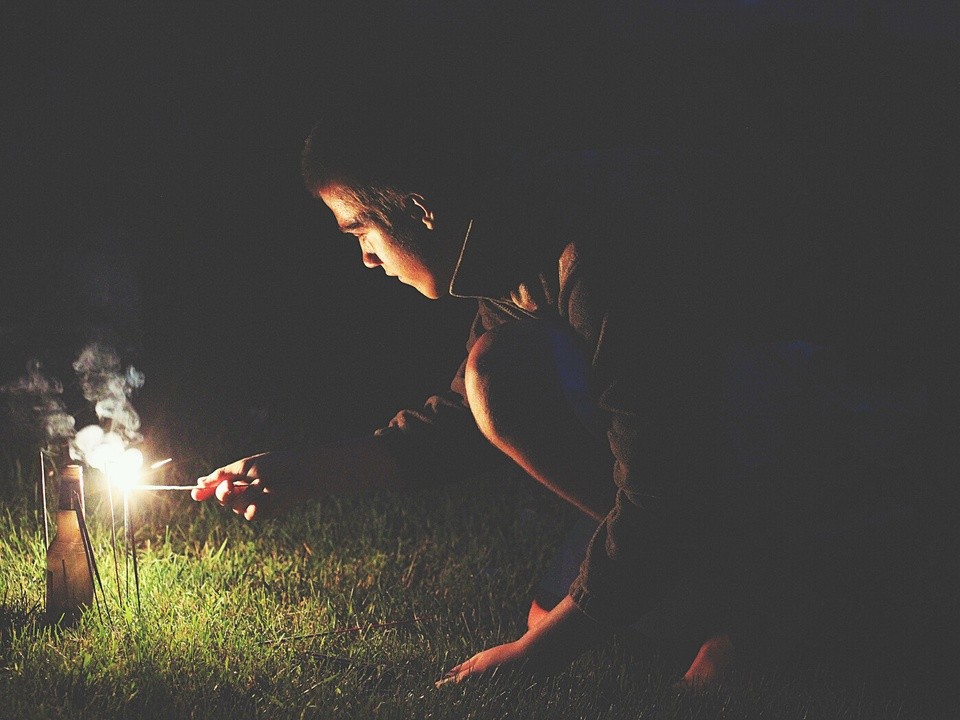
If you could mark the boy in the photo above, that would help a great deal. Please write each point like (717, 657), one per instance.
(643, 372)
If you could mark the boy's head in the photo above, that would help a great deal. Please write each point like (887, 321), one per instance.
(393, 182)
(383, 155)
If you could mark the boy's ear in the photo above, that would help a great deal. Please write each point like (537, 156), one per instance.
(420, 211)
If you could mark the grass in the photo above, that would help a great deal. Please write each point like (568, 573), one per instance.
(246, 620)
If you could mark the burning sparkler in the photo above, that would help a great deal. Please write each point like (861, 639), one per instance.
(149, 486)
(122, 470)
(108, 385)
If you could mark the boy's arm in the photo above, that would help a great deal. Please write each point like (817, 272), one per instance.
(266, 484)
(562, 635)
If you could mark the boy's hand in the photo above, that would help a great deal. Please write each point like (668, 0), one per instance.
(266, 484)
(500, 655)
(253, 487)
(562, 635)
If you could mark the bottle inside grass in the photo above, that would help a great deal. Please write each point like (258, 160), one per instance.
(69, 581)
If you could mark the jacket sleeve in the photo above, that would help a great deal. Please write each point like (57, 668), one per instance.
(441, 440)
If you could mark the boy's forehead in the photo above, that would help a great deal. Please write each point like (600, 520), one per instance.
(344, 208)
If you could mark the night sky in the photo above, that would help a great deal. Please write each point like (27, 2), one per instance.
(150, 178)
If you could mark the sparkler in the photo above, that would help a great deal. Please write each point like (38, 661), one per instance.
(121, 470)
(121, 467)
(101, 450)
(148, 486)
(164, 487)
(43, 495)
(124, 470)
(131, 548)
(91, 558)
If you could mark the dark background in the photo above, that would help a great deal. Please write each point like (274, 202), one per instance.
(151, 194)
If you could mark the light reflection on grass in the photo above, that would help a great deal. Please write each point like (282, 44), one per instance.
(226, 606)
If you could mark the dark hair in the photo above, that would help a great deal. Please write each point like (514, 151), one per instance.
(442, 149)
(382, 159)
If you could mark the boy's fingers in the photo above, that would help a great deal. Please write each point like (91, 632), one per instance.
(207, 485)
(243, 498)
(445, 680)
(224, 490)
(259, 504)
(202, 493)
(454, 674)
(232, 490)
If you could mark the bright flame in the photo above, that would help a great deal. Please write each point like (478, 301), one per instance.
(125, 470)
(105, 451)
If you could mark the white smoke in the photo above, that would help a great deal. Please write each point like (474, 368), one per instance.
(36, 402)
(108, 386)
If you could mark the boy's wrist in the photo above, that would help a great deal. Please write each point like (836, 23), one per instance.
(563, 634)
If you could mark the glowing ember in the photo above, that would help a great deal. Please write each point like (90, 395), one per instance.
(105, 451)
(125, 470)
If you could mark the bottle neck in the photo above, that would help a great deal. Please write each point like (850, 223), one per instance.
(68, 525)
(71, 494)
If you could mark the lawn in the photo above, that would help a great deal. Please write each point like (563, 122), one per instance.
(349, 608)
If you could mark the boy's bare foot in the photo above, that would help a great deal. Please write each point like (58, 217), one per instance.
(715, 657)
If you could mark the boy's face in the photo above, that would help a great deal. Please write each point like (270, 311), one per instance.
(419, 264)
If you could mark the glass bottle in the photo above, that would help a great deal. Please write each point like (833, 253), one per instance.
(69, 581)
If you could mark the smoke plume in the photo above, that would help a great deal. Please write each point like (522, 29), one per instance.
(108, 386)
(36, 402)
